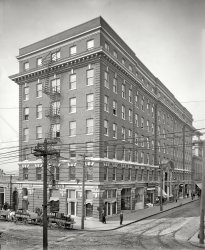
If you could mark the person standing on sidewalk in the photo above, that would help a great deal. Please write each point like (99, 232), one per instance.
(121, 218)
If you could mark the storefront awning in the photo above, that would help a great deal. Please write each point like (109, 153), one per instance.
(164, 194)
(54, 199)
(199, 184)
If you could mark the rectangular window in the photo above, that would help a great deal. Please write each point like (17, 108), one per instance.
(107, 46)
(90, 44)
(38, 173)
(26, 66)
(72, 172)
(114, 109)
(39, 61)
(142, 157)
(72, 82)
(25, 173)
(130, 115)
(148, 143)
(137, 101)
(130, 135)
(130, 68)
(105, 173)
(115, 54)
(152, 128)
(72, 128)
(123, 61)
(26, 93)
(55, 108)
(130, 95)
(55, 85)
(26, 114)
(90, 77)
(25, 134)
(39, 111)
(89, 126)
(142, 122)
(105, 150)
(105, 127)
(55, 129)
(90, 101)
(39, 132)
(142, 141)
(136, 138)
(122, 174)
(106, 79)
(106, 103)
(114, 171)
(142, 104)
(137, 120)
(55, 56)
(129, 174)
(123, 133)
(115, 85)
(114, 127)
(72, 151)
(129, 155)
(123, 112)
(39, 90)
(73, 50)
(72, 105)
(148, 126)
(123, 154)
(123, 91)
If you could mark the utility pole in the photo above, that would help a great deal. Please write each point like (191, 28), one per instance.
(83, 193)
(10, 191)
(201, 232)
(183, 158)
(161, 187)
(42, 150)
(155, 134)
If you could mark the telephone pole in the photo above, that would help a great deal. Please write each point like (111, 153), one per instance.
(42, 150)
(183, 158)
(10, 191)
(83, 193)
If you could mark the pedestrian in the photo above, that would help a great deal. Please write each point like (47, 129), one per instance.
(176, 199)
(103, 217)
(192, 196)
(121, 218)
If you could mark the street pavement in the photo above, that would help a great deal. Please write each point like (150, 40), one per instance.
(129, 217)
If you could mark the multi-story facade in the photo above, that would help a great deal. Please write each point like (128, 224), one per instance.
(197, 163)
(86, 88)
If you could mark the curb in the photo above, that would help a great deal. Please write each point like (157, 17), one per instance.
(132, 222)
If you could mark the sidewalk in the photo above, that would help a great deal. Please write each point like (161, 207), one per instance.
(93, 224)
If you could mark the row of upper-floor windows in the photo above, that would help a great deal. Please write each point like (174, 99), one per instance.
(55, 85)
(54, 109)
(55, 56)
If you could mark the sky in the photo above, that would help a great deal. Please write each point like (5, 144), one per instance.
(168, 36)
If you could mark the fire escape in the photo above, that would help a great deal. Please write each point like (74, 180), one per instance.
(51, 87)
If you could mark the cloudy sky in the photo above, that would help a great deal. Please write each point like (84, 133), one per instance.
(168, 36)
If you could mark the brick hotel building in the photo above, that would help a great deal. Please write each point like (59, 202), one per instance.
(87, 90)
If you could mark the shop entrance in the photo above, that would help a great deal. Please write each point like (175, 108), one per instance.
(126, 199)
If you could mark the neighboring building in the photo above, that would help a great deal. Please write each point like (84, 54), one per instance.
(7, 189)
(197, 163)
(86, 88)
